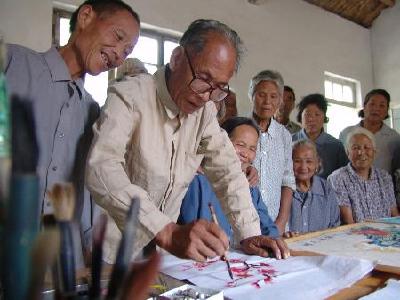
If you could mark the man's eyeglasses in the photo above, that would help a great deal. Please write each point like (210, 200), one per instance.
(200, 86)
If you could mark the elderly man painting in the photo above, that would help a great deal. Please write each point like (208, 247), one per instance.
(274, 152)
(363, 191)
(153, 134)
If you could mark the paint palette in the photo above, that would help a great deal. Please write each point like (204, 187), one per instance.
(191, 292)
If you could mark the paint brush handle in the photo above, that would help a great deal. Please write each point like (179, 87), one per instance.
(97, 256)
(66, 261)
(215, 220)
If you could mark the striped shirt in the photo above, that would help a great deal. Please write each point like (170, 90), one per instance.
(316, 209)
(274, 164)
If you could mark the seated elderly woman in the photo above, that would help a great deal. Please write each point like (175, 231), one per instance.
(363, 191)
(314, 205)
(312, 116)
(244, 136)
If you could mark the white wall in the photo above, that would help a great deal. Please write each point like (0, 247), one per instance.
(298, 39)
(385, 38)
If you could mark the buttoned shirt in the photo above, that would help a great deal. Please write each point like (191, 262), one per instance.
(63, 114)
(387, 142)
(368, 199)
(145, 148)
(274, 165)
(316, 209)
(330, 150)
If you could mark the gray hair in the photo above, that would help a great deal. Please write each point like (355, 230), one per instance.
(306, 143)
(195, 37)
(266, 75)
(360, 131)
(310, 145)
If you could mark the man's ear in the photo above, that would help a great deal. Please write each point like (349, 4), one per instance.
(85, 16)
(176, 58)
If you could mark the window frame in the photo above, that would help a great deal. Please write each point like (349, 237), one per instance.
(354, 84)
(159, 34)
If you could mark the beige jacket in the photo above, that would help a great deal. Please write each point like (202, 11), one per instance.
(144, 147)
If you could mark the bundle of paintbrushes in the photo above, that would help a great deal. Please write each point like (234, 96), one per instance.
(63, 199)
(22, 207)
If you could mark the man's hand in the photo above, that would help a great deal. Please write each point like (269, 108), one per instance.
(197, 240)
(252, 175)
(262, 245)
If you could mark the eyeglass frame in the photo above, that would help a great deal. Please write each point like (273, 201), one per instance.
(211, 89)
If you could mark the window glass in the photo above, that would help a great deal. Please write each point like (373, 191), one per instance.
(148, 49)
(169, 46)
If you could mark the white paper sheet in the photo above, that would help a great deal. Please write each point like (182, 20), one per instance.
(390, 292)
(310, 277)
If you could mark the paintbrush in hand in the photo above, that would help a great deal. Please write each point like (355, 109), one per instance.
(223, 257)
(62, 197)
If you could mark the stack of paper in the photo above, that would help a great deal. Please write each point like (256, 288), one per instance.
(310, 277)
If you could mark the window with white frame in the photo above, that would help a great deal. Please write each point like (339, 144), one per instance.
(153, 48)
(343, 95)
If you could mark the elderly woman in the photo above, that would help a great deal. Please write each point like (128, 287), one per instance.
(312, 116)
(363, 191)
(314, 205)
(375, 110)
(274, 151)
(243, 134)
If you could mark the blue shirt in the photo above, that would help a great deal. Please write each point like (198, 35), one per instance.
(200, 194)
(316, 209)
(330, 150)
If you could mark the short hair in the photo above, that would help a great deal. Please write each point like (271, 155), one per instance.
(287, 88)
(231, 124)
(195, 37)
(266, 75)
(103, 6)
(371, 93)
(317, 99)
(310, 145)
(360, 131)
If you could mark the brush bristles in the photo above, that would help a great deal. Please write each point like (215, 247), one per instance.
(62, 197)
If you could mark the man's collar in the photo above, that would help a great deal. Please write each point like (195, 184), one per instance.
(57, 66)
(59, 70)
(163, 93)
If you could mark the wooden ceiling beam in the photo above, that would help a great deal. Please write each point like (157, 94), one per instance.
(389, 3)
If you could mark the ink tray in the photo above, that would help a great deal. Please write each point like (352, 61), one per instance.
(191, 292)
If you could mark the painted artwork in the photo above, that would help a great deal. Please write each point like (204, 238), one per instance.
(392, 220)
(376, 242)
(256, 277)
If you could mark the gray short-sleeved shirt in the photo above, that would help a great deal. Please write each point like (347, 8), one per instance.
(64, 113)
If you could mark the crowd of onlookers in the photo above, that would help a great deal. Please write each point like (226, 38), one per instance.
(157, 141)
(308, 179)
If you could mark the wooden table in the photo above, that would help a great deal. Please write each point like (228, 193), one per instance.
(376, 279)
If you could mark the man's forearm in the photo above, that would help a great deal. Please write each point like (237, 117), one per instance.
(284, 209)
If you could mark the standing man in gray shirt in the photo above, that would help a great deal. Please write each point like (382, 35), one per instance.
(103, 34)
